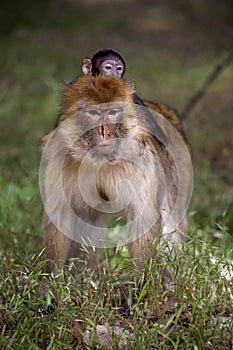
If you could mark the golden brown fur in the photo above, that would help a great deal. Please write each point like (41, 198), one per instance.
(170, 115)
(138, 157)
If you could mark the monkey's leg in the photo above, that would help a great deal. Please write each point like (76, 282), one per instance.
(144, 247)
(57, 248)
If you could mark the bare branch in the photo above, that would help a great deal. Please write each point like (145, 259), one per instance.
(201, 92)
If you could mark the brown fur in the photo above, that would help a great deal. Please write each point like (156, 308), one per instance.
(169, 115)
(91, 91)
(145, 179)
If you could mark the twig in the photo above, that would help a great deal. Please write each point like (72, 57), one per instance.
(210, 79)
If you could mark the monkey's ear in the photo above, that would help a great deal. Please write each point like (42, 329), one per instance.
(87, 66)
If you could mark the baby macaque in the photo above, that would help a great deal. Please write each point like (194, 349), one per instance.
(107, 62)
(103, 160)
(104, 62)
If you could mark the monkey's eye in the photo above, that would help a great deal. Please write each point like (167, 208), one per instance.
(113, 111)
(108, 66)
(93, 112)
(119, 68)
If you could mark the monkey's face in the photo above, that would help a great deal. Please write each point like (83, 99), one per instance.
(101, 128)
(112, 67)
(97, 114)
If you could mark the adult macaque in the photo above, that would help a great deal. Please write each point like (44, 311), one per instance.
(104, 160)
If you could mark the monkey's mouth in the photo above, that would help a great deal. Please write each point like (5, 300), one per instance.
(108, 149)
(107, 146)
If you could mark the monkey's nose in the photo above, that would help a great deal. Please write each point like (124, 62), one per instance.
(104, 132)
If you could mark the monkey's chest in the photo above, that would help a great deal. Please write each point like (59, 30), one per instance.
(120, 183)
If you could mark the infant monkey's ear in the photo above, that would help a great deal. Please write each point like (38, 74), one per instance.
(87, 66)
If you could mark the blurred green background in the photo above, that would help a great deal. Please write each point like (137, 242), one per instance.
(170, 47)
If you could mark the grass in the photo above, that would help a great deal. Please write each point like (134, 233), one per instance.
(198, 314)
